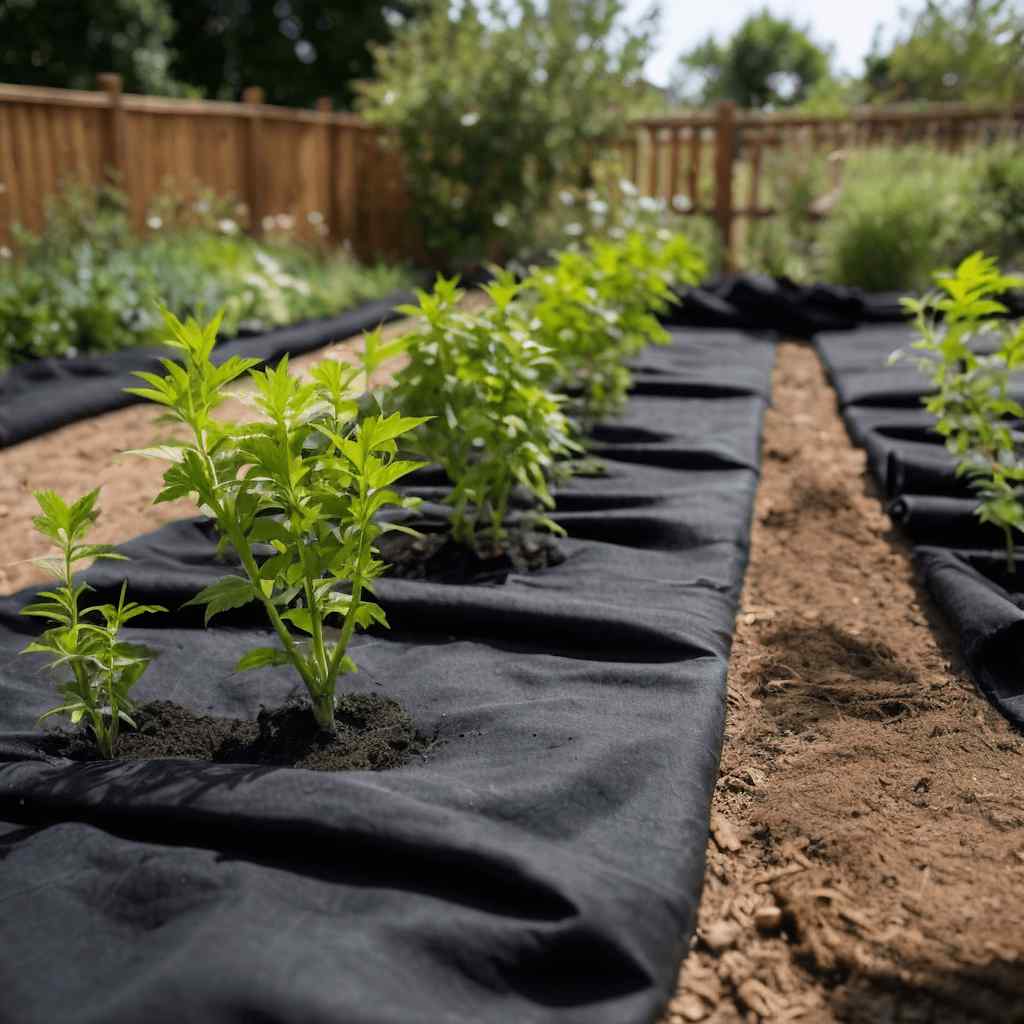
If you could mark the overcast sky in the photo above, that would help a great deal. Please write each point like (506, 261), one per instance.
(848, 25)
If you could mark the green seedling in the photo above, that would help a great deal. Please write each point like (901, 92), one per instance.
(96, 669)
(295, 493)
(968, 353)
(595, 310)
(497, 425)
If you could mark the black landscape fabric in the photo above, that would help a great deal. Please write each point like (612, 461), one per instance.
(543, 862)
(961, 561)
(42, 395)
(758, 302)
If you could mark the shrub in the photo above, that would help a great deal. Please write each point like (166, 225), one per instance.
(993, 220)
(896, 219)
(307, 479)
(495, 105)
(98, 669)
(496, 426)
(900, 213)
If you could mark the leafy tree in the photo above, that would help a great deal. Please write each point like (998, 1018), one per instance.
(972, 50)
(495, 103)
(56, 43)
(297, 50)
(769, 62)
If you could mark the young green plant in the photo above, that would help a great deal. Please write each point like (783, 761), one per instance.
(497, 425)
(97, 669)
(295, 493)
(969, 352)
(595, 309)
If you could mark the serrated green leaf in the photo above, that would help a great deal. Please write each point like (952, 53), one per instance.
(227, 593)
(261, 657)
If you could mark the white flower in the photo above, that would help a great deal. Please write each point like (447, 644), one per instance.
(389, 97)
(597, 207)
(627, 188)
(285, 221)
(566, 197)
(470, 119)
(681, 203)
(5, 253)
(574, 229)
(154, 223)
(617, 233)
(268, 223)
(649, 205)
(202, 206)
(315, 217)
(227, 226)
(502, 219)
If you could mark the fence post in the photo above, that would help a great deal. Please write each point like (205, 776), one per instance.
(115, 153)
(725, 155)
(255, 171)
(325, 105)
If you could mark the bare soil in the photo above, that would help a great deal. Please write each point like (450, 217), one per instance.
(373, 733)
(866, 859)
(437, 558)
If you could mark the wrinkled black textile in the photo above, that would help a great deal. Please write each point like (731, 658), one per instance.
(758, 302)
(960, 560)
(542, 863)
(48, 393)
(976, 591)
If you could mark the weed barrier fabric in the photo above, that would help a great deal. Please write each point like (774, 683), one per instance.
(976, 590)
(758, 302)
(961, 562)
(42, 395)
(542, 862)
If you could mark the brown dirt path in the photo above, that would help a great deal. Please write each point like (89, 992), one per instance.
(867, 859)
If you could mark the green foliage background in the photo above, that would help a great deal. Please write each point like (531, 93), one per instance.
(494, 105)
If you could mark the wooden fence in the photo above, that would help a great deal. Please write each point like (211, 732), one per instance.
(716, 160)
(276, 160)
(336, 167)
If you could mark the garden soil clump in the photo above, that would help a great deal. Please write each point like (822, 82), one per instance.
(436, 557)
(867, 835)
(374, 734)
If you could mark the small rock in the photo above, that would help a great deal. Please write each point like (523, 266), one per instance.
(725, 834)
(688, 1007)
(768, 920)
(720, 935)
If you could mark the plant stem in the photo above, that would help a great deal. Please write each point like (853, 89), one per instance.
(241, 545)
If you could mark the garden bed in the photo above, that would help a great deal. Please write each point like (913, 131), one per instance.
(866, 824)
(541, 861)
